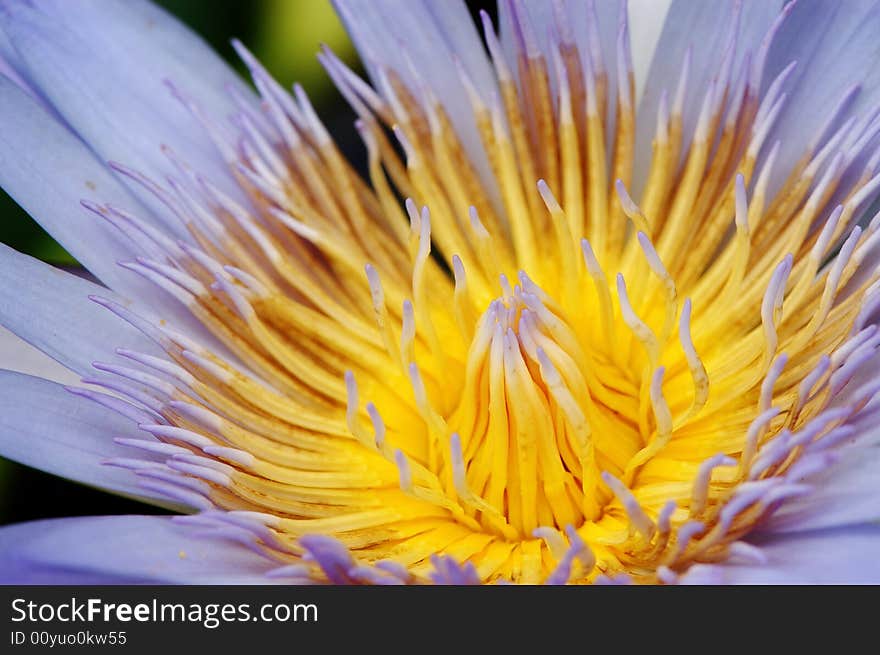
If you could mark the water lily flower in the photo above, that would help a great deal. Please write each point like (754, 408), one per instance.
(600, 309)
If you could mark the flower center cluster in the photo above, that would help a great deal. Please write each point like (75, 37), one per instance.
(600, 388)
(526, 445)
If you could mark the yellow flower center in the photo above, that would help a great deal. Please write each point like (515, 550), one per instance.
(570, 379)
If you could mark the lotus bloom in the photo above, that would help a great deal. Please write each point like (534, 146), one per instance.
(601, 309)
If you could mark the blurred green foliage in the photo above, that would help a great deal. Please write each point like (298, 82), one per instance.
(20, 231)
(285, 36)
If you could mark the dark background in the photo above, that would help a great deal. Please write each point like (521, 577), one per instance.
(285, 35)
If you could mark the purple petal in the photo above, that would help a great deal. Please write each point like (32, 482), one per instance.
(18, 355)
(447, 571)
(836, 47)
(104, 65)
(47, 427)
(123, 550)
(47, 170)
(646, 18)
(50, 309)
(846, 493)
(10, 66)
(645, 22)
(541, 19)
(839, 556)
(389, 33)
(333, 558)
(702, 28)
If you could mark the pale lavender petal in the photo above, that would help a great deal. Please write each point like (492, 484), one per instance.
(447, 571)
(45, 426)
(340, 567)
(541, 19)
(124, 550)
(428, 35)
(646, 18)
(645, 22)
(836, 47)
(845, 493)
(333, 558)
(50, 309)
(10, 66)
(103, 64)
(19, 356)
(840, 556)
(48, 171)
(703, 29)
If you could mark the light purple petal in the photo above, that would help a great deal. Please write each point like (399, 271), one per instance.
(646, 18)
(47, 427)
(645, 22)
(846, 493)
(429, 34)
(702, 27)
(50, 309)
(333, 558)
(19, 356)
(103, 65)
(123, 550)
(836, 47)
(447, 571)
(10, 66)
(48, 171)
(841, 556)
(541, 19)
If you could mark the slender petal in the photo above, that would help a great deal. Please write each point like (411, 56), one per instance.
(123, 550)
(391, 34)
(541, 18)
(840, 556)
(10, 65)
(50, 309)
(430, 33)
(18, 355)
(836, 47)
(104, 66)
(44, 426)
(844, 494)
(48, 171)
(703, 29)
(645, 18)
